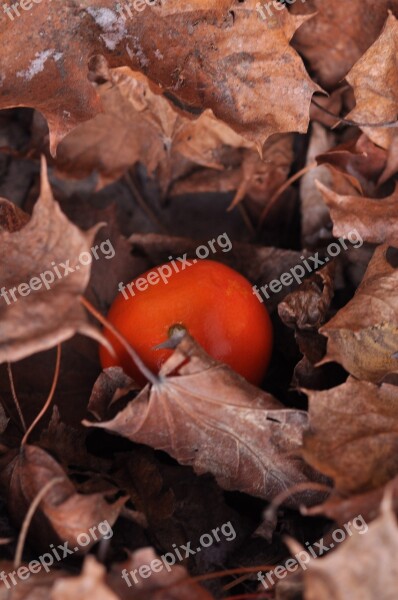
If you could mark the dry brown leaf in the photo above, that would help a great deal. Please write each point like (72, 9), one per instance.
(63, 513)
(206, 416)
(252, 176)
(35, 587)
(363, 567)
(342, 509)
(339, 33)
(360, 161)
(258, 87)
(44, 317)
(12, 218)
(363, 336)
(139, 125)
(375, 81)
(374, 219)
(94, 582)
(111, 385)
(353, 435)
(162, 585)
(91, 583)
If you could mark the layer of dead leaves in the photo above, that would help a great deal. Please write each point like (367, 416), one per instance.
(155, 133)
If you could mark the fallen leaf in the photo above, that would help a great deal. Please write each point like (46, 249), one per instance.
(139, 125)
(91, 583)
(63, 514)
(363, 336)
(40, 320)
(338, 34)
(375, 81)
(202, 414)
(353, 435)
(202, 68)
(362, 567)
(374, 219)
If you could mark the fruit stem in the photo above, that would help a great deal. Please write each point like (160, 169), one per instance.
(131, 352)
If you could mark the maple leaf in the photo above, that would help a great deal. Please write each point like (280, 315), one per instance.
(375, 81)
(42, 319)
(363, 336)
(208, 417)
(349, 571)
(258, 87)
(338, 33)
(375, 220)
(139, 125)
(63, 513)
(353, 434)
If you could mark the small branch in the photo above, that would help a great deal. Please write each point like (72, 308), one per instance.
(282, 189)
(14, 396)
(28, 518)
(143, 204)
(49, 399)
(389, 124)
(300, 487)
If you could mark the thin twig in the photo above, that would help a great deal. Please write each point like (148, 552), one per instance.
(246, 219)
(28, 518)
(131, 352)
(143, 204)
(14, 395)
(49, 399)
(283, 188)
(353, 123)
(299, 487)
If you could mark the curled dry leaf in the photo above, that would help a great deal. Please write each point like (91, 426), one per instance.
(139, 125)
(364, 567)
(305, 310)
(203, 68)
(353, 435)
(37, 587)
(162, 585)
(251, 175)
(339, 33)
(94, 582)
(363, 336)
(39, 320)
(360, 160)
(111, 385)
(342, 509)
(63, 514)
(12, 218)
(375, 81)
(374, 219)
(89, 584)
(206, 416)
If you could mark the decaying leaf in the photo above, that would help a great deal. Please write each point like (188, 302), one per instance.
(338, 33)
(375, 81)
(363, 336)
(203, 414)
(353, 435)
(63, 514)
(375, 220)
(202, 68)
(139, 125)
(362, 567)
(39, 309)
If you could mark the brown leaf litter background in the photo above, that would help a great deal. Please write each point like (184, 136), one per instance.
(160, 131)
